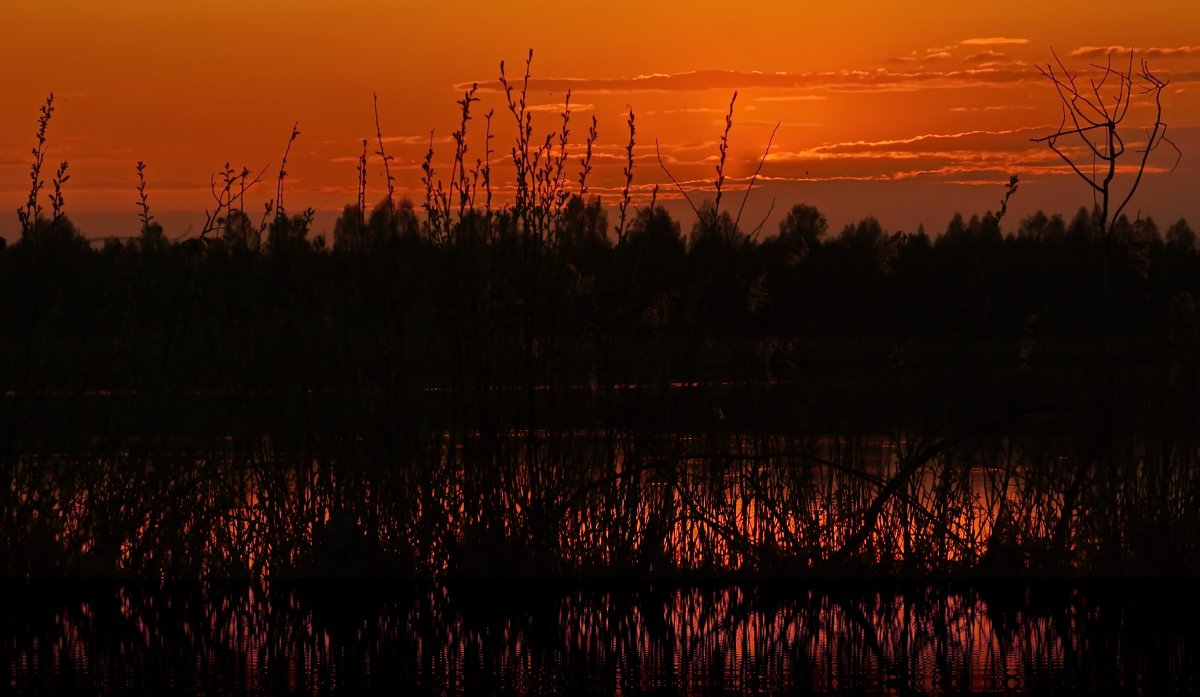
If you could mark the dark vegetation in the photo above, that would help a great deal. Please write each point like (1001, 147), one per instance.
(484, 390)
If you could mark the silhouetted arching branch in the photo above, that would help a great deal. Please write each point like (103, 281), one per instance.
(674, 181)
(754, 178)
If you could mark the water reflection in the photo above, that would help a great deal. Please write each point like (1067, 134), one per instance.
(598, 639)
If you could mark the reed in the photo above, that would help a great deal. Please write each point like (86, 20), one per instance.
(31, 214)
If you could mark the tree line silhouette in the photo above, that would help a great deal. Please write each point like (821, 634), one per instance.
(1036, 282)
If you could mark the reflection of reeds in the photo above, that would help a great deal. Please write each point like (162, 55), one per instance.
(707, 639)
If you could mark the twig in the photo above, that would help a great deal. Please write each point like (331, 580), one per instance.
(279, 209)
(724, 149)
(754, 178)
(674, 181)
(143, 197)
(586, 161)
(33, 210)
(387, 170)
(628, 172)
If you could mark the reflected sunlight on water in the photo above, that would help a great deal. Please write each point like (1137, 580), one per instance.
(536, 639)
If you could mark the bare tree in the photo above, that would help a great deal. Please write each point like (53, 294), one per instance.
(1093, 119)
(1093, 127)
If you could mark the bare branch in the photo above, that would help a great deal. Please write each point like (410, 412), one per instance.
(723, 150)
(674, 180)
(387, 170)
(758, 228)
(283, 169)
(766, 151)
(1157, 134)
(628, 171)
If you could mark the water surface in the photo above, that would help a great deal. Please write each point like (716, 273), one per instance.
(601, 639)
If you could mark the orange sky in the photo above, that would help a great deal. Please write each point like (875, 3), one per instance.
(907, 114)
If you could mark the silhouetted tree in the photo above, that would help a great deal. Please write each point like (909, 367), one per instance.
(1180, 237)
(802, 230)
(1040, 227)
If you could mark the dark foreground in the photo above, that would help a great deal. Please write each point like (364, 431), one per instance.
(835, 638)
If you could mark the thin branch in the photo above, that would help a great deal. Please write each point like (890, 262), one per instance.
(723, 150)
(279, 210)
(628, 172)
(585, 162)
(758, 228)
(1157, 133)
(754, 178)
(674, 180)
(387, 170)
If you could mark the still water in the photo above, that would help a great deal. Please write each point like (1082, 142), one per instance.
(600, 639)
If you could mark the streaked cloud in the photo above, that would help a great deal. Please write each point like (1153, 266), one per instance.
(994, 41)
(558, 108)
(881, 79)
(415, 140)
(976, 140)
(983, 57)
(793, 98)
(1149, 52)
(688, 110)
(995, 107)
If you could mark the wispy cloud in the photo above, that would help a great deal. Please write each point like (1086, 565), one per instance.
(996, 107)
(1149, 52)
(688, 110)
(984, 57)
(972, 145)
(843, 80)
(994, 41)
(415, 140)
(558, 108)
(793, 98)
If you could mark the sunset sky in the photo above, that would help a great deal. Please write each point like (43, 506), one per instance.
(906, 111)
